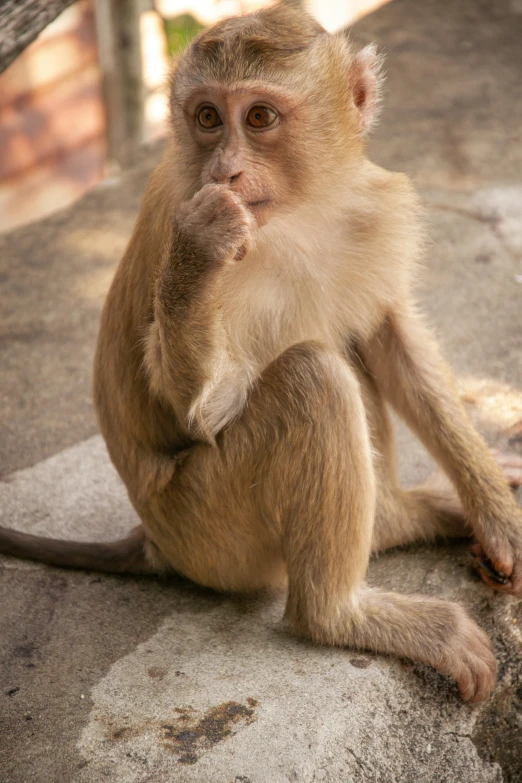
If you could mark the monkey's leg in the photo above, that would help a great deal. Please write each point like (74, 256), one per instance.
(420, 514)
(294, 473)
(220, 520)
(403, 517)
(435, 632)
(406, 365)
(134, 554)
(432, 510)
(426, 512)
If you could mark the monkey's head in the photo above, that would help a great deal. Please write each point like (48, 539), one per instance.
(274, 106)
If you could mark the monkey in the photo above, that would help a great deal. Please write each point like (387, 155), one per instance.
(258, 328)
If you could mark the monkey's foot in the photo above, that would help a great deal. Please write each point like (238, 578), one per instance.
(469, 659)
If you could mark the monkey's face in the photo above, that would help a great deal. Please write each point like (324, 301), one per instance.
(246, 136)
(272, 106)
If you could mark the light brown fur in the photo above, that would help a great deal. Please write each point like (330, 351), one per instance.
(246, 352)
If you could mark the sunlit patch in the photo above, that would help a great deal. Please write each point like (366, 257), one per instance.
(495, 405)
(334, 15)
(109, 243)
(95, 285)
(104, 244)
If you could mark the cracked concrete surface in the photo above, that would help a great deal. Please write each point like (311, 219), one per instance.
(147, 680)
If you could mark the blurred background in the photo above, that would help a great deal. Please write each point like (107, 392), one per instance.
(78, 101)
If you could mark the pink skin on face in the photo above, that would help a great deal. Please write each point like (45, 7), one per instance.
(234, 144)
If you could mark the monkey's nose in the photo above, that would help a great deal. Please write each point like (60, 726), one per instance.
(226, 179)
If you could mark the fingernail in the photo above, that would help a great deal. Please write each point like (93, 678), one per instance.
(491, 571)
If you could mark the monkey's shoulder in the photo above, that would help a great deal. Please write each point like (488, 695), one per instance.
(376, 194)
(382, 219)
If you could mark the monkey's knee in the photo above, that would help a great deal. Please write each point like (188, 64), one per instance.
(318, 411)
(313, 381)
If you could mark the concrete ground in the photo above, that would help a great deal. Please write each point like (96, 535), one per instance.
(147, 680)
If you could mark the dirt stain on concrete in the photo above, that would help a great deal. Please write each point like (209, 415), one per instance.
(156, 673)
(124, 733)
(191, 733)
(360, 662)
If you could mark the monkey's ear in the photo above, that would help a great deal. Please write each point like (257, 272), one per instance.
(367, 80)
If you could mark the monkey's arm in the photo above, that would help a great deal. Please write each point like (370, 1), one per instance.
(405, 360)
(181, 337)
(185, 350)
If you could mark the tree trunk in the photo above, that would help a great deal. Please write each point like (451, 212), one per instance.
(21, 21)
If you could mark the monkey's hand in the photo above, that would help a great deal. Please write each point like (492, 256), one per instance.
(216, 224)
(498, 560)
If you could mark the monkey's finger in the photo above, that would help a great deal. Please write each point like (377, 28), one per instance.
(483, 563)
(488, 572)
(487, 566)
(501, 563)
(466, 685)
(485, 676)
(209, 188)
(491, 578)
(511, 584)
(241, 253)
(516, 582)
(477, 669)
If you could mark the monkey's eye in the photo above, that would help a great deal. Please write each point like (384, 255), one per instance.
(208, 118)
(260, 117)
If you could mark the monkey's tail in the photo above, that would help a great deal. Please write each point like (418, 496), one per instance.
(126, 555)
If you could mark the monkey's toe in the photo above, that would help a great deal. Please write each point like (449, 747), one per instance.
(477, 670)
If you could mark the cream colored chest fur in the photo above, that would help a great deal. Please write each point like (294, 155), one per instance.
(306, 278)
(301, 283)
